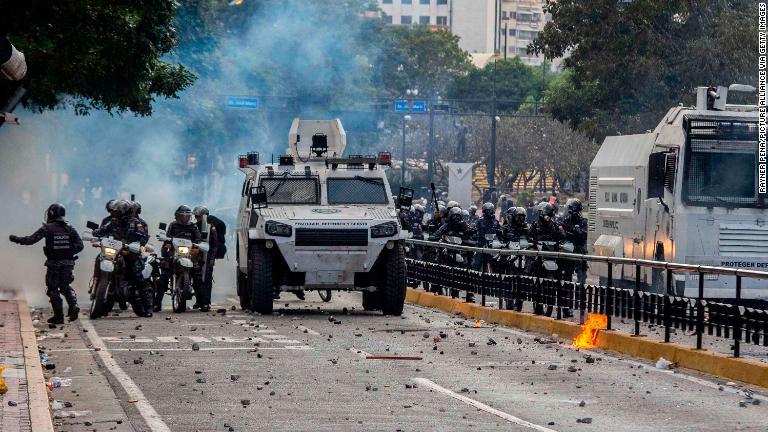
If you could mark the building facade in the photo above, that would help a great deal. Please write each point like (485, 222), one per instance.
(505, 27)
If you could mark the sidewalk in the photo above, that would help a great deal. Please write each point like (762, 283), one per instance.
(25, 406)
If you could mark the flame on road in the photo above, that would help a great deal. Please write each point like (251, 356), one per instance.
(588, 336)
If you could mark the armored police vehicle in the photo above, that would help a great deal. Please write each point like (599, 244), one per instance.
(318, 221)
(691, 191)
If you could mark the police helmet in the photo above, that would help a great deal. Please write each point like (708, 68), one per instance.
(123, 207)
(200, 210)
(110, 205)
(418, 208)
(136, 208)
(55, 212)
(574, 205)
(546, 211)
(489, 210)
(454, 215)
(516, 216)
(452, 204)
(473, 209)
(465, 214)
(183, 215)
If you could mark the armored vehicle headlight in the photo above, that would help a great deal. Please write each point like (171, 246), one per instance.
(278, 229)
(386, 229)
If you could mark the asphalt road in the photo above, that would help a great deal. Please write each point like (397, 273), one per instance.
(306, 367)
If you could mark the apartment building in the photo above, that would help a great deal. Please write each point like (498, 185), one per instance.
(505, 27)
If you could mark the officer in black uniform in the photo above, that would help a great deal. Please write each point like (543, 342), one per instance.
(547, 229)
(181, 227)
(575, 228)
(515, 227)
(112, 214)
(62, 244)
(130, 229)
(203, 292)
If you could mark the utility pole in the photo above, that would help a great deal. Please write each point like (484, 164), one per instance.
(431, 144)
(492, 159)
(402, 170)
(506, 39)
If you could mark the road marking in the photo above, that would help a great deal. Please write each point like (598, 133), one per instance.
(308, 330)
(361, 353)
(126, 339)
(481, 406)
(151, 417)
(230, 339)
(198, 339)
(167, 339)
(286, 341)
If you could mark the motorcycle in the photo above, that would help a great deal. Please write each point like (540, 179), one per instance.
(182, 263)
(108, 284)
(548, 268)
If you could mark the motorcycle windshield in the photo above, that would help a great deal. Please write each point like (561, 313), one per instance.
(177, 242)
(111, 243)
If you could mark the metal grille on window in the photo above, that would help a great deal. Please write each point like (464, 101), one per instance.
(356, 191)
(287, 190)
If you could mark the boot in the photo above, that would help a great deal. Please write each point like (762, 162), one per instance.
(58, 315)
(74, 312)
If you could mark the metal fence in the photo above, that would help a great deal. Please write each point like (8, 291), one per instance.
(736, 321)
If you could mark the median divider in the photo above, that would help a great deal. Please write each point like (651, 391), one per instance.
(720, 365)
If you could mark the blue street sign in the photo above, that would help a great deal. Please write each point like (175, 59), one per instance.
(242, 102)
(419, 106)
(401, 105)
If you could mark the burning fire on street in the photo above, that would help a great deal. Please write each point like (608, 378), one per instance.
(588, 336)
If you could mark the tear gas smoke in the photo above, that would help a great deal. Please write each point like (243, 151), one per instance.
(186, 152)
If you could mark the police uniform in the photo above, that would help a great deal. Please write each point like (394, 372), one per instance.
(62, 243)
(175, 230)
(576, 232)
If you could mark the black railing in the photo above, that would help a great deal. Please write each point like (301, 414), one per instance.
(515, 286)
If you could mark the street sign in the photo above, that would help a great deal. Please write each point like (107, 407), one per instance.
(401, 105)
(242, 102)
(419, 106)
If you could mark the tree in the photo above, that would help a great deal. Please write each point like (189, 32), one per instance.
(419, 58)
(631, 61)
(508, 80)
(95, 54)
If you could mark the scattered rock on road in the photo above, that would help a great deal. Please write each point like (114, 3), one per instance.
(195, 347)
(585, 420)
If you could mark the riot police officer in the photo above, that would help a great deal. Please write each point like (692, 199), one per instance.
(130, 229)
(546, 228)
(515, 227)
(181, 227)
(454, 226)
(575, 227)
(486, 226)
(62, 244)
(112, 213)
(203, 291)
(473, 214)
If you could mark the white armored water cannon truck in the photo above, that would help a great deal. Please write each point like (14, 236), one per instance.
(319, 221)
(690, 192)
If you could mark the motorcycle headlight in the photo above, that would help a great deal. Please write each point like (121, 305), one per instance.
(183, 250)
(110, 252)
(278, 229)
(386, 229)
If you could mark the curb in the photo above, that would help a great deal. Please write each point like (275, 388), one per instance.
(39, 408)
(739, 369)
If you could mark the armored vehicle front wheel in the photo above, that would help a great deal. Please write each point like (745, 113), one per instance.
(393, 287)
(259, 279)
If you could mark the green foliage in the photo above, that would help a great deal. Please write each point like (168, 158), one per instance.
(507, 79)
(419, 58)
(630, 62)
(95, 54)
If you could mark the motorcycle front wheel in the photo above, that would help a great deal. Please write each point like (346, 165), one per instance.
(325, 295)
(181, 286)
(99, 298)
